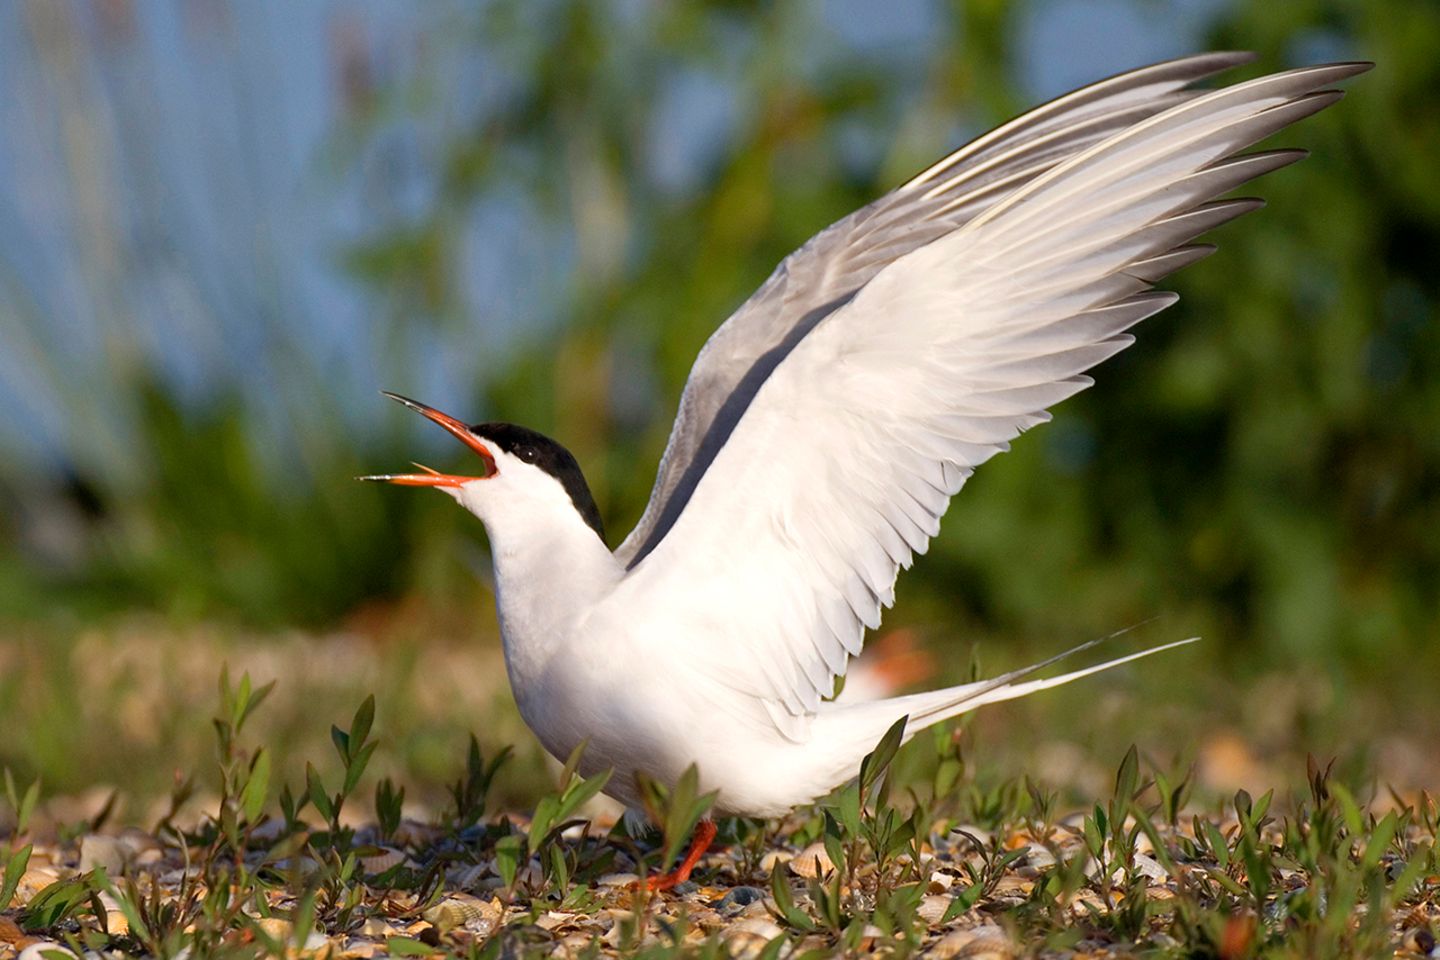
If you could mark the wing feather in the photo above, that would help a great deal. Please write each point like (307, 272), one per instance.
(842, 464)
(824, 273)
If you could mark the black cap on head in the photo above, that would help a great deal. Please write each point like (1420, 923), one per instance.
(539, 450)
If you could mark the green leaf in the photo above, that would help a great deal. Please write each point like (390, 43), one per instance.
(543, 819)
(1404, 883)
(316, 789)
(507, 858)
(341, 739)
(304, 918)
(962, 902)
(1380, 838)
(877, 761)
(253, 701)
(54, 903)
(356, 767)
(14, 870)
(364, 719)
(683, 813)
(1354, 821)
(406, 947)
(847, 809)
(257, 786)
(572, 763)
(1125, 779)
(785, 900)
(581, 793)
(834, 849)
(127, 901)
(1219, 847)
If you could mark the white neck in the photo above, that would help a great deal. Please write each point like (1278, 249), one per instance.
(551, 568)
(547, 576)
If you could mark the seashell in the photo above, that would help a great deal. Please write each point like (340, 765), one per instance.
(933, 908)
(469, 912)
(747, 938)
(1040, 858)
(33, 881)
(773, 858)
(413, 833)
(384, 860)
(554, 920)
(985, 942)
(1151, 868)
(812, 862)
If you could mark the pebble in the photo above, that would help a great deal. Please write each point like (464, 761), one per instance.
(100, 850)
(618, 880)
(375, 927)
(276, 928)
(812, 862)
(738, 899)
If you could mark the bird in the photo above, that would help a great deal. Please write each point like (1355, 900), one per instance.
(825, 426)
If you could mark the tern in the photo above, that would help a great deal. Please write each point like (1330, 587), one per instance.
(827, 423)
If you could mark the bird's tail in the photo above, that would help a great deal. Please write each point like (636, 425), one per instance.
(867, 721)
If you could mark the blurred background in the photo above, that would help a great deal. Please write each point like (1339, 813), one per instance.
(225, 226)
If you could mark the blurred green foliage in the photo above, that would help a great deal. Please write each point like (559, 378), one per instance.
(1262, 467)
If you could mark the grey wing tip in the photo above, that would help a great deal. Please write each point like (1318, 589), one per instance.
(1224, 59)
(1353, 68)
(1341, 70)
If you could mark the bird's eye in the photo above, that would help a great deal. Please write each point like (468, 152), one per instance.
(528, 454)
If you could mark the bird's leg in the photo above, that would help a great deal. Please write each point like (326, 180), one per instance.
(699, 843)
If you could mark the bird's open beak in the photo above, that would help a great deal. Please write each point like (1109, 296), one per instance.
(434, 478)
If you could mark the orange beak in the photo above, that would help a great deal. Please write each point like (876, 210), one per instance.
(434, 478)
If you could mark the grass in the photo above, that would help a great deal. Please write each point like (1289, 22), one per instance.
(341, 841)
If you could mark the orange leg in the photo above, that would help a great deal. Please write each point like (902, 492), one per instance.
(704, 836)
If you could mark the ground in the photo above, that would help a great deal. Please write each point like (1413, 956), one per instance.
(252, 850)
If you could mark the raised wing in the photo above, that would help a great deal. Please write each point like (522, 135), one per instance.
(827, 270)
(842, 465)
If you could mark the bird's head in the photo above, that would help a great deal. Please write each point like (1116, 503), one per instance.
(524, 474)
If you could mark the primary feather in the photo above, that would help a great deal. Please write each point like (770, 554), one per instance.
(820, 276)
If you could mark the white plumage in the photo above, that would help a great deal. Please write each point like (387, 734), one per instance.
(826, 425)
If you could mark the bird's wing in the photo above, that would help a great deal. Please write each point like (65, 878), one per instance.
(828, 269)
(842, 465)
